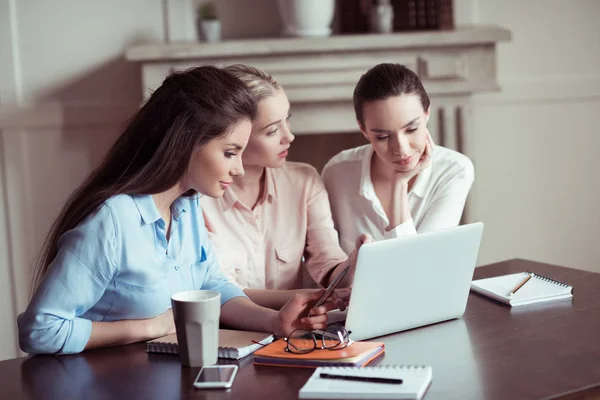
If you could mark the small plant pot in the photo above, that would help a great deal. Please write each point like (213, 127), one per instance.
(209, 30)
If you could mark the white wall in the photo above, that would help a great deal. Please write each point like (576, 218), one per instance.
(535, 143)
(65, 90)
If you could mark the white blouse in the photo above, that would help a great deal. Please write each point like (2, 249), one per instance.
(436, 199)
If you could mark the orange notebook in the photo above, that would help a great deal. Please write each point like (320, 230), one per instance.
(358, 354)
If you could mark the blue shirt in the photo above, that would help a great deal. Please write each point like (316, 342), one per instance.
(116, 265)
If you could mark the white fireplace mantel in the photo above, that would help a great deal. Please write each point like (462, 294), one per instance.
(319, 74)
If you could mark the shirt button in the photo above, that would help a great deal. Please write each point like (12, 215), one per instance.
(177, 268)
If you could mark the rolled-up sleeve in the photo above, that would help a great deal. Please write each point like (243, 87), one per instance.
(323, 252)
(215, 280)
(75, 281)
(404, 229)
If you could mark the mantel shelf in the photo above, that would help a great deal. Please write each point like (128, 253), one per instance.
(461, 36)
(319, 74)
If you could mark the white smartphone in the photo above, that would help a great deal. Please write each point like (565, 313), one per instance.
(216, 377)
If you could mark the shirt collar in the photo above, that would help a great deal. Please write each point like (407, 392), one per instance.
(149, 212)
(230, 198)
(179, 206)
(147, 208)
(366, 184)
(270, 188)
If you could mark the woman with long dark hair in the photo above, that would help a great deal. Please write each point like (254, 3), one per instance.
(133, 233)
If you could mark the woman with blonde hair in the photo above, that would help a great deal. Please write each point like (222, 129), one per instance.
(275, 221)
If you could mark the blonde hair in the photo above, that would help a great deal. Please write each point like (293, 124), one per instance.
(260, 83)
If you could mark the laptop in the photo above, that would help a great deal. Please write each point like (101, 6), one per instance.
(412, 281)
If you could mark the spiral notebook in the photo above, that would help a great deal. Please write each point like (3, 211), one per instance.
(415, 381)
(232, 344)
(538, 289)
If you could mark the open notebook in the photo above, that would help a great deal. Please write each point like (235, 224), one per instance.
(415, 381)
(538, 289)
(232, 344)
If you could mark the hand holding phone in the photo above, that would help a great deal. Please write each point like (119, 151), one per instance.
(216, 377)
(331, 288)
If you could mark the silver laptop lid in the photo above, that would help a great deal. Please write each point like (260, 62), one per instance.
(412, 281)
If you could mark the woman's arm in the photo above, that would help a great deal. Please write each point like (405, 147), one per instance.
(324, 258)
(448, 205)
(272, 298)
(400, 218)
(75, 281)
(242, 313)
(115, 333)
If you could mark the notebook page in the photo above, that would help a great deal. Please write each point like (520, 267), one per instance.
(416, 380)
(501, 285)
(536, 289)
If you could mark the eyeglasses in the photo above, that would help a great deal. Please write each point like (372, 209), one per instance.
(302, 341)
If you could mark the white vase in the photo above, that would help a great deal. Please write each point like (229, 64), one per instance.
(306, 17)
(209, 30)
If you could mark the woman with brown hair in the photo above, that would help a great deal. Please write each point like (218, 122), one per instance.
(133, 233)
(400, 183)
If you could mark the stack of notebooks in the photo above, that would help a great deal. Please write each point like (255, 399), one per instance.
(358, 354)
(393, 382)
(232, 344)
(531, 288)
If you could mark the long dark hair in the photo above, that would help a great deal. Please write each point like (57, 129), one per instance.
(384, 81)
(152, 154)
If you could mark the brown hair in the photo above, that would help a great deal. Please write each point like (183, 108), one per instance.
(384, 81)
(152, 154)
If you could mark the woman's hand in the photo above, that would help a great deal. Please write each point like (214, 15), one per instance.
(293, 315)
(362, 239)
(342, 294)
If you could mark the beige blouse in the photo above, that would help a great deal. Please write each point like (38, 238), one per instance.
(290, 226)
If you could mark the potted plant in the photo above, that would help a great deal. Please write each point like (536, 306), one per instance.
(209, 26)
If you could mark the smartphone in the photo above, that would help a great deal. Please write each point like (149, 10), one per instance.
(216, 377)
(331, 287)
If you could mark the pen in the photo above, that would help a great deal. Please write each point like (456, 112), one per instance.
(361, 378)
(520, 285)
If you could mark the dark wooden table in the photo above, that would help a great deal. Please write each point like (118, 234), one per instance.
(492, 352)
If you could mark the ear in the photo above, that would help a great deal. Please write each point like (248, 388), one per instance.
(427, 115)
(362, 130)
